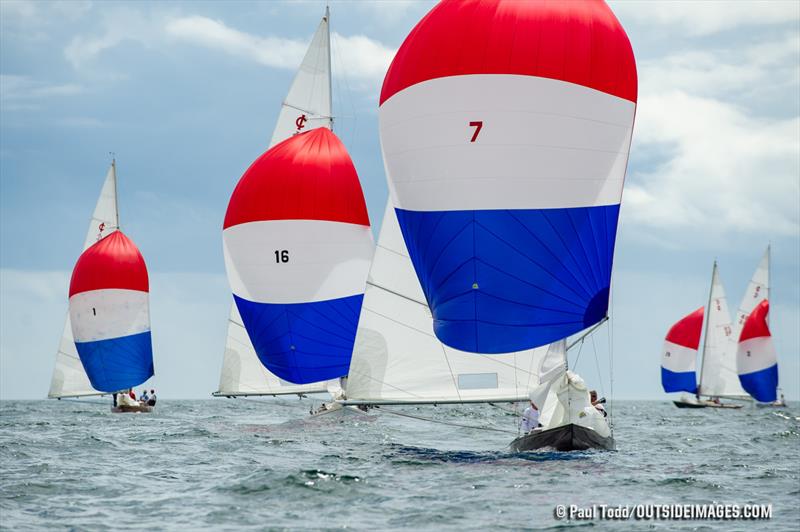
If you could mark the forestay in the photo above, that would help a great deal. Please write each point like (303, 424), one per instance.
(69, 378)
(505, 128)
(397, 357)
(718, 376)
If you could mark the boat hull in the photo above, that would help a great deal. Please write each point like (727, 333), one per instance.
(705, 404)
(569, 437)
(143, 409)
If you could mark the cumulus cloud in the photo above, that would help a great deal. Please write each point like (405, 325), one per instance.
(726, 169)
(705, 17)
(119, 25)
(214, 34)
(360, 57)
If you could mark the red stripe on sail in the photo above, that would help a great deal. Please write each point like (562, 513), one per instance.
(308, 176)
(687, 331)
(577, 41)
(113, 262)
(756, 324)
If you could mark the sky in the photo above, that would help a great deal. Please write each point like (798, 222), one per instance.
(185, 95)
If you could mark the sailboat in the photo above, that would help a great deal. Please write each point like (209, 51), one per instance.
(297, 249)
(505, 155)
(721, 368)
(718, 377)
(758, 371)
(105, 346)
(307, 106)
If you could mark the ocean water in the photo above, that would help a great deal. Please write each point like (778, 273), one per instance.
(253, 464)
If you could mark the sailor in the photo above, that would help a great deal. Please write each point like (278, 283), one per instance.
(131, 394)
(530, 418)
(151, 401)
(144, 397)
(597, 404)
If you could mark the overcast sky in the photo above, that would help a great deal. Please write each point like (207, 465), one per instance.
(186, 95)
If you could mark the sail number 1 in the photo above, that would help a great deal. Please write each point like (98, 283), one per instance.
(281, 255)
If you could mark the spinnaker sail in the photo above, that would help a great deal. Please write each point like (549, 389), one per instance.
(679, 356)
(505, 145)
(757, 360)
(109, 311)
(297, 245)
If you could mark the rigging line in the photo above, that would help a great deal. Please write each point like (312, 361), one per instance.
(580, 350)
(449, 423)
(597, 364)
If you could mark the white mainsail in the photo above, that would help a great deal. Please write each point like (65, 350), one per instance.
(69, 379)
(308, 103)
(718, 375)
(757, 291)
(307, 106)
(397, 358)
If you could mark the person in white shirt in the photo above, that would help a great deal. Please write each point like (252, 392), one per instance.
(530, 418)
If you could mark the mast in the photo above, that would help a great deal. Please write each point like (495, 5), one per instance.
(330, 76)
(705, 331)
(116, 195)
(769, 275)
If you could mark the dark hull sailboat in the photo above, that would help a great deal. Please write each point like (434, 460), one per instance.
(569, 437)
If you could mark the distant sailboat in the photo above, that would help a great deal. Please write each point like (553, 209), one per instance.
(722, 367)
(69, 378)
(505, 148)
(307, 106)
(109, 317)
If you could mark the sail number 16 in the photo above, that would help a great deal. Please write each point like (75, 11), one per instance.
(281, 255)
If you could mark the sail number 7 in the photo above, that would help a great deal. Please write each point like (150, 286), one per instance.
(281, 255)
(477, 124)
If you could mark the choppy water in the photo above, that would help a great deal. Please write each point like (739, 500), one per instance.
(229, 464)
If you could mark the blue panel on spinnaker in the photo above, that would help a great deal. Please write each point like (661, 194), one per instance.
(303, 342)
(684, 381)
(762, 385)
(546, 272)
(119, 363)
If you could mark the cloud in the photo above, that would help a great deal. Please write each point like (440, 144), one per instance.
(119, 25)
(24, 93)
(717, 141)
(706, 17)
(770, 64)
(214, 34)
(360, 57)
(726, 170)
